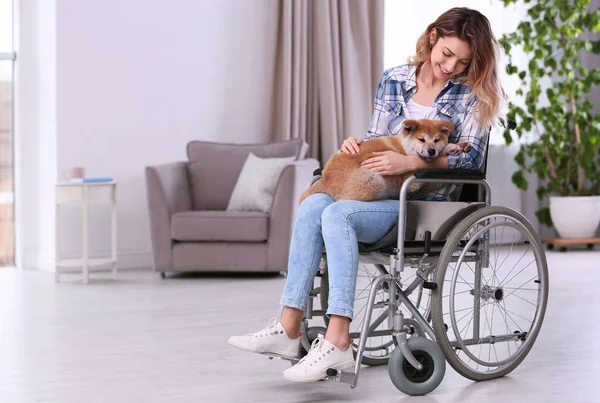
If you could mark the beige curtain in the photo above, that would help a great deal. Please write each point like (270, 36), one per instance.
(328, 59)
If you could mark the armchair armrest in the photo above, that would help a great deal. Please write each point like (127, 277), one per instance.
(293, 181)
(168, 192)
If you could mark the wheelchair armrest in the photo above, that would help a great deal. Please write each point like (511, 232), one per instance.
(454, 174)
(441, 174)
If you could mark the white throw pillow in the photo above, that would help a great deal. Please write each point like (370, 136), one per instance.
(255, 187)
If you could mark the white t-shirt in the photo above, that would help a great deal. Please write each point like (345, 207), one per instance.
(417, 111)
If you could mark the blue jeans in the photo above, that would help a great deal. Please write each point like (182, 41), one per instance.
(339, 226)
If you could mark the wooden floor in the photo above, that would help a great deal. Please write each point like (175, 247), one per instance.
(142, 339)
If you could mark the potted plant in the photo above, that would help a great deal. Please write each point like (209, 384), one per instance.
(557, 129)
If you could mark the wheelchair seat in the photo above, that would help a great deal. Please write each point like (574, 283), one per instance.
(469, 193)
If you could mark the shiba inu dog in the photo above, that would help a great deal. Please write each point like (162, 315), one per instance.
(344, 179)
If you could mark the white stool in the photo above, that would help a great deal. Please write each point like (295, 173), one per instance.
(86, 194)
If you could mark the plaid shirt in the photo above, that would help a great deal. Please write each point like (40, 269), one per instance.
(453, 103)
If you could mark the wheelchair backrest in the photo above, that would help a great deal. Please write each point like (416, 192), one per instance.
(470, 192)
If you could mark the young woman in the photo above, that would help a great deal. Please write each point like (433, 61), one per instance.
(453, 76)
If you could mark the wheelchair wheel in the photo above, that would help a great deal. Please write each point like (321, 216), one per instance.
(492, 292)
(447, 226)
(379, 347)
(416, 382)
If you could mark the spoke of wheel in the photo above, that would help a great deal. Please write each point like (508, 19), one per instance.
(494, 270)
(467, 328)
(458, 282)
(489, 327)
(507, 255)
(461, 310)
(515, 295)
(472, 317)
(498, 251)
(516, 314)
(458, 293)
(507, 328)
(505, 311)
(512, 245)
(495, 352)
(518, 288)
(482, 276)
(465, 281)
(510, 272)
(362, 291)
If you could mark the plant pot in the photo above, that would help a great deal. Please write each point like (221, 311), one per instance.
(575, 216)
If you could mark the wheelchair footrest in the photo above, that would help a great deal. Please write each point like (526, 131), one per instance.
(341, 376)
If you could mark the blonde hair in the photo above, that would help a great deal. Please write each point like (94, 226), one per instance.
(482, 72)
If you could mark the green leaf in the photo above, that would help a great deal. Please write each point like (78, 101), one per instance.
(541, 192)
(520, 158)
(543, 215)
(507, 137)
(519, 180)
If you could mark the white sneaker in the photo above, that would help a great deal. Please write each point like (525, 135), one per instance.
(272, 340)
(314, 365)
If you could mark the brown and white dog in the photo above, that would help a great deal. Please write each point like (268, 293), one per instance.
(344, 179)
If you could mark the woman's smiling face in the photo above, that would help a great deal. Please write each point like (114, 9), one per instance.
(450, 56)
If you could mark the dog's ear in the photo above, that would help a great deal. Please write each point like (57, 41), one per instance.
(446, 127)
(409, 126)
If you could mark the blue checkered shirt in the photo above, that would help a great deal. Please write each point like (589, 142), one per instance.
(453, 103)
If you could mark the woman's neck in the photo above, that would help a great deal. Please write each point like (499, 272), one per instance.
(427, 79)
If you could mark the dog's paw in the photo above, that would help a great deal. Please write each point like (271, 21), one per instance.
(465, 146)
(453, 149)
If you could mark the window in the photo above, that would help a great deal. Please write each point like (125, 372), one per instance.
(7, 57)
(406, 20)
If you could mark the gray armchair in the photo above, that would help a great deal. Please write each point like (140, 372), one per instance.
(191, 230)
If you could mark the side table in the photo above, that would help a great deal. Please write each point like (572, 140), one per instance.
(86, 194)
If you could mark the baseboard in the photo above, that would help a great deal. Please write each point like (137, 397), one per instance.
(126, 260)
(135, 260)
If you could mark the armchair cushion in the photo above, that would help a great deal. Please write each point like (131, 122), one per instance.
(220, 226)
(214, 167)
(256, 184)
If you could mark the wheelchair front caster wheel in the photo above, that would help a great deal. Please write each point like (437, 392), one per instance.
(416, 382)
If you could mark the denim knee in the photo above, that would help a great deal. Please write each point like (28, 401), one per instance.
(313, 204)
(336, 215)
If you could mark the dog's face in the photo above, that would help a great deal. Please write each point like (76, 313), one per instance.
(425, 138)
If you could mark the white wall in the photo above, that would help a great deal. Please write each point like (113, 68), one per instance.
(135, 81)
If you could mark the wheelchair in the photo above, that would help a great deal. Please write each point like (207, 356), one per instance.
(472, 294)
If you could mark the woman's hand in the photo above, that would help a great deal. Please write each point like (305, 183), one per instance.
(350, 145)
(389, 163)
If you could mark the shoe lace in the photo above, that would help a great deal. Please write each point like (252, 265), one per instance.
(316, 351)
(270, 329)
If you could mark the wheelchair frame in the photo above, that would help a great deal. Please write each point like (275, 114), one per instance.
(396, 262)
(397, 324)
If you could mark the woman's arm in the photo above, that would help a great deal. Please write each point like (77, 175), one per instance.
(420, 163)
(379, 121)
(476, 135)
